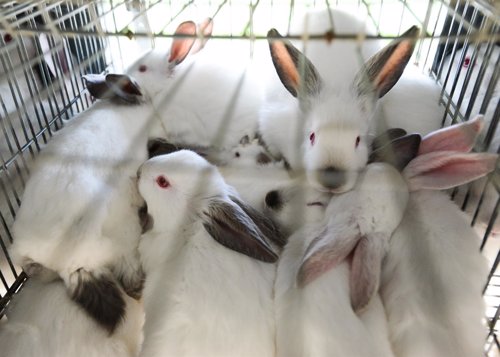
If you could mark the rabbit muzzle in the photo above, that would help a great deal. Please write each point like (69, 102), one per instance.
(333, 179)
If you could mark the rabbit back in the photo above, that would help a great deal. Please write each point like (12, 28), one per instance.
(43, 321)
(201, 295)
(432, 280)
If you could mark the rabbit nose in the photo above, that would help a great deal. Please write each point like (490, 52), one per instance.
(331, 177)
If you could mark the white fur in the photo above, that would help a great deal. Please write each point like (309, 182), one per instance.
(337, 116)
(251, 179)
(214, 103)
(80, 187)
(412, 104)
(201, 299)
(44, 322)
(432, 280)
(318, 320)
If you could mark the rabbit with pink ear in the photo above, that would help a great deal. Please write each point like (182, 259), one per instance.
(207, 258)
(324, 130)
(432, 275)
(214, 103)
(321, 316)
(78, 215)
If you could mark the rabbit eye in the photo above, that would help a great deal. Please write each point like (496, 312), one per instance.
(143, 68)
(237, 154)
(312, 138)
(358, 139)
(162, 182)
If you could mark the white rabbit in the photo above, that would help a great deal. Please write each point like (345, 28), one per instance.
(248, 167)
(78, 215)
(44, 322)
(320, 319)
(202, 298)
(214, 103)
(325, 128)
(433, 274)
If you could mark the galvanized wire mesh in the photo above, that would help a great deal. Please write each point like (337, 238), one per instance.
(46, 47)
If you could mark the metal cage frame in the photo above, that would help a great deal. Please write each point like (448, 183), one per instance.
(46, 47)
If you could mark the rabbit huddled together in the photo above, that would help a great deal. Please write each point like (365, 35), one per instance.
(190, 212)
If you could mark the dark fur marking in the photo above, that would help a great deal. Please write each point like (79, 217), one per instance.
(228, 224)
(101, 298)
(274, 200)
(267, 226)
(263, 159)
(399, 152)
(386, 137)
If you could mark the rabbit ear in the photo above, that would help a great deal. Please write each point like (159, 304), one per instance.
(229, 225)
(386, 137)
(458, 137)
(113, 86)
(182, 45)
(398, 152)
(266, 225)
(366, 269)
(204, 32)
(381, 72)
(446, 169)
(296, 72)
(325, 252)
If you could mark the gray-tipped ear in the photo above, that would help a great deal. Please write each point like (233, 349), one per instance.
(100, 296)
(386, 137)
(325, 252)
(366, 268)
(398, 152)
(296, 72)
(266, 225)
(113, 86)
(381, 72)
(229, 225)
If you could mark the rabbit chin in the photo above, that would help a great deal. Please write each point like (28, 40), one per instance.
(313, 179)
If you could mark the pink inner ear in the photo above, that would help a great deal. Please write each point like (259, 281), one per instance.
(286, 64)
(458, 137)
(325, 253)
(445, 169)
(181, 46)
(366, 269)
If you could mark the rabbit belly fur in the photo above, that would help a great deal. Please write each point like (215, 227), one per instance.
(432, 280)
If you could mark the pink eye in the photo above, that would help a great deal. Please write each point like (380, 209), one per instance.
(466, 62)
(312, 138)
(358, 139)
(162, 182)
(143, 68)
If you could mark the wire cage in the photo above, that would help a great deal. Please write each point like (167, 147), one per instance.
(47, 46)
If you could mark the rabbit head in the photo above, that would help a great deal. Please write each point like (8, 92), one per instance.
(182, 188)
(336, 120)
(152, 70)
(177, 185)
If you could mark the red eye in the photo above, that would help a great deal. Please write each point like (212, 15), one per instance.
(358, 139)
(312, 138)
(7, 37)
(162, 182)
(143, 68)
